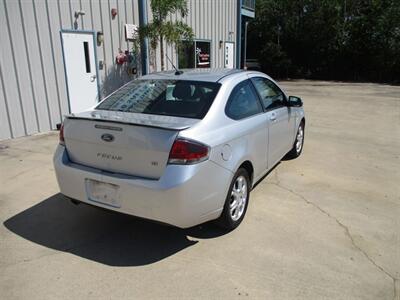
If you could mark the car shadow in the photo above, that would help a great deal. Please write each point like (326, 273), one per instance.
(103, 236)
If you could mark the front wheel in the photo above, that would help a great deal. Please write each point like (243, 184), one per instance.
(236, 201)
(298, 143)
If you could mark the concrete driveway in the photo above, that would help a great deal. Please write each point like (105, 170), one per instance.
(324, 226)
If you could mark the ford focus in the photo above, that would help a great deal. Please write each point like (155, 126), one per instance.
(181, 148)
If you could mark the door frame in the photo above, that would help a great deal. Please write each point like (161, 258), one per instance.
(234, 61)
(94, 34)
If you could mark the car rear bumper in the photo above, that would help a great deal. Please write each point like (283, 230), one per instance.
(184, 196)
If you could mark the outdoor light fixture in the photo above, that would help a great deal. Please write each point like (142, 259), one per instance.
(220, 44)
(77, 14)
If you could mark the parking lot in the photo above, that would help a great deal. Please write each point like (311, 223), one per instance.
(326, 225)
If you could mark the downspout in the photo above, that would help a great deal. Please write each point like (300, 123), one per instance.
(238, 33)
(245, 45)
(144, 45)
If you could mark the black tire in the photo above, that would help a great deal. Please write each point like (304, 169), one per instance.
(226, 220)
(294, 152)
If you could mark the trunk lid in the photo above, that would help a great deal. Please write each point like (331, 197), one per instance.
(120, 142)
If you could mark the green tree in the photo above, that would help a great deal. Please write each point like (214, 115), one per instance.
(160, 30)
(372, 33)
(328, 39)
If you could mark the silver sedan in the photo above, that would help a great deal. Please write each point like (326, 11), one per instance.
(181, 148)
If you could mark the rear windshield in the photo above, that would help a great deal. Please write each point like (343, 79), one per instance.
(180, 98)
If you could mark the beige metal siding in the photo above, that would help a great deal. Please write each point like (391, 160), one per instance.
(33, 96)
(210, 20)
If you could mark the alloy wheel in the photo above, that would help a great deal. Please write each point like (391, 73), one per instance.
(238, 198)
(299, 139)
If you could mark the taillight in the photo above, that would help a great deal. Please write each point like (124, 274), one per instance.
(61, 135)
(187, 152)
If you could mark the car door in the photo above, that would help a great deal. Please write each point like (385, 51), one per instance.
(279, 119)
(250, 132)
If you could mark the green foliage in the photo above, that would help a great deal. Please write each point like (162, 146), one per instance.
(161, 8)
(160, 30)
(328, 39)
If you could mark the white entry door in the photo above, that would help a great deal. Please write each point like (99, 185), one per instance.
(229, 55)
(80, 69)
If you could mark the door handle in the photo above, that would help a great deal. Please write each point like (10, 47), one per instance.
(273, 117)
(92, 78)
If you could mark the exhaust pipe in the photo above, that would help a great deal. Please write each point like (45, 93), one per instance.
(76, 202)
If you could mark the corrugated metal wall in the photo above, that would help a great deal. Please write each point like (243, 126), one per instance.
(211, 20)
(33, 95)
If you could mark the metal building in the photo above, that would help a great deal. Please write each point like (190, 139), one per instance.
(58, 57)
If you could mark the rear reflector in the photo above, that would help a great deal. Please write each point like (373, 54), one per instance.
(61, 135)
(187, 152)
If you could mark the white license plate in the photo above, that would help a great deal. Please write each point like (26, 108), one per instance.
(105, 193)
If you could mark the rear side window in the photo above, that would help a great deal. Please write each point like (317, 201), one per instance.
(179, 98)
(271, 96)
(243, 102)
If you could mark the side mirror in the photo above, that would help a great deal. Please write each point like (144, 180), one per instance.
(295, 101)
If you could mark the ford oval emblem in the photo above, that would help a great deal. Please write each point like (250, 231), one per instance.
(107, 137)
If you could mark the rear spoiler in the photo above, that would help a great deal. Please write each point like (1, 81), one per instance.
(172, 128)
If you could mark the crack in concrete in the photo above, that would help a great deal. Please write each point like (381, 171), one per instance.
(346, 230)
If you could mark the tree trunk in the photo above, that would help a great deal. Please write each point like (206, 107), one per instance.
(162, 52)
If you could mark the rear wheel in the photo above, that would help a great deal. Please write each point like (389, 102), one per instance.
(298, 143)
(236, 201)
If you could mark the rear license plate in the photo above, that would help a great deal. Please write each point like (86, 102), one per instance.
(102, 192)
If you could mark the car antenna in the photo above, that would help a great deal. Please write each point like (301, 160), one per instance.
(177, 72)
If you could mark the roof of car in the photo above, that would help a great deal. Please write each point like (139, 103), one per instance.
(210, 75)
